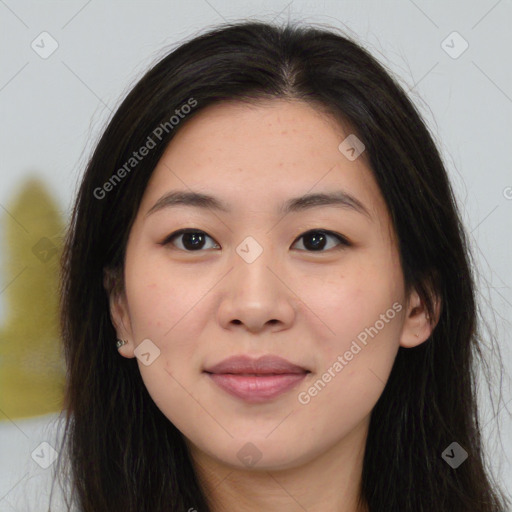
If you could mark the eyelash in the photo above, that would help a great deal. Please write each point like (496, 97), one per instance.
(343, 241)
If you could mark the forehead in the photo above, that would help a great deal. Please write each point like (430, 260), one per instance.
(255, 157)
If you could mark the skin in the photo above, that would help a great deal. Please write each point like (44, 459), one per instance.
(308, 306)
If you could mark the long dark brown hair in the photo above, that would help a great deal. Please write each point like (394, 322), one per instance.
(123, 453)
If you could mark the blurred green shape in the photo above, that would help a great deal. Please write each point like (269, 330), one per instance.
(32, 369)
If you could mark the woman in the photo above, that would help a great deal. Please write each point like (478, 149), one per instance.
(267, 301)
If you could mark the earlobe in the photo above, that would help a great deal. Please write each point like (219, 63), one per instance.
(121, 322)
(119, 315)
(418, 326)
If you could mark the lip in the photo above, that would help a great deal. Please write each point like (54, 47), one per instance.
(256, 380)
(267, 364)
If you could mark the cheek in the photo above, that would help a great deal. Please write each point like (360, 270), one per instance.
(355, 362)
(171, 309)
(167, 312)
(161, 299)
(363, 302)
(363, 313)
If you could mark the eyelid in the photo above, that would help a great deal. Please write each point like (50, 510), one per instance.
(343, 241)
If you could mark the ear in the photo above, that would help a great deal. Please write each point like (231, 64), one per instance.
(418, 326)
(119, 313)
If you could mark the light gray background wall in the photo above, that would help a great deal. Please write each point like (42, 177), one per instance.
(52, 110)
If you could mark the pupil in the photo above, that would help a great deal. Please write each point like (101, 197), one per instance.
(317, 243)
(187, 237)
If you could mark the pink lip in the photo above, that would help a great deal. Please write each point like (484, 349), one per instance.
(256, 380)
(264, 364)
(256, 389)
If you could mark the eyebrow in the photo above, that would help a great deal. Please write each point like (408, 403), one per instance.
(338, 199)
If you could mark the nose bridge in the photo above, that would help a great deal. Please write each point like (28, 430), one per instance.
(254, 298)
(252, 261)
(254, 295)
(250, 249)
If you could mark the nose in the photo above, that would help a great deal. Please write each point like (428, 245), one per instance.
(255, 296)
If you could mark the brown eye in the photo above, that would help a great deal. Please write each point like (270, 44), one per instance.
(192, 239)
(316, 240)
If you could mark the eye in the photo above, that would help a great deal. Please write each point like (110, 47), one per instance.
(193, 239)
(316, 239)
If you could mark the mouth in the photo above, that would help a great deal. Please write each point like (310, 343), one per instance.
(256, 380)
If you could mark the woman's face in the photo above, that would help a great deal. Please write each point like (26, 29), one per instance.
(249, 283)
